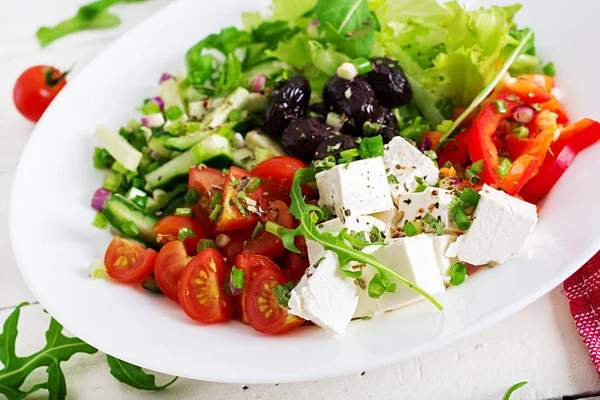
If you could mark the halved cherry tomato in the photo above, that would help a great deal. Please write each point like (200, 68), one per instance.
(522, 170)
(264, 312)
(167, 229)
(201, 288)
(170, 262)
(572, 140)
(237, 213)
(128, 261)
(251, 264)
(456, 150)
(541, 134)
(235, 243)
(279, 172)
(36, 88)
(206, 181)
(266, 243)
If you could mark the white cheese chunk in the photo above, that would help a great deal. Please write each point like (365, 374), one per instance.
(440, 247)
(391, 219)
(413, 257)
(357, 224)
(359, 188)
(501, 226)
(325, 296)
(435, 201)
(405, 162)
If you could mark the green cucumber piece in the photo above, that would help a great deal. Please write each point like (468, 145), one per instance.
(241, 157)
(235, 101)
(216, 152)
(167, 174)
(183, 143)
(119, 210)
(157, 144)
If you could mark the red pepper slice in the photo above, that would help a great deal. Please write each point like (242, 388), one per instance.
(541, 134)
(572, 140)
(521, 171)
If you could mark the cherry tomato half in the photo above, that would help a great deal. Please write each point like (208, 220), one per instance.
(202, 288)
(251, 264)
(266, 243)
(170, 262)
(167, 230)
(277, 174)
(237, 212)
(263, 311)
(36, 88)
(128, 261)
(206, 181)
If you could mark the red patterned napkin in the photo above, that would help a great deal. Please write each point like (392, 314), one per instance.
(583, 292)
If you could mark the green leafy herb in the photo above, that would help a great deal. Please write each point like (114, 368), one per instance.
(324, 164)
(283, 294)
(392, 179)
(237, 277)
(185, 233)
(512, 389)
(150, 285)
(371, 147)
(307, 215)
(327, 214)
(434, 224)
(379, 285)
(204, 244)
(133, 375)
(102, 158)
(422, 185)
(58, 349)
(257, 229)
(458, 273)
(192, 197)
(549, 69)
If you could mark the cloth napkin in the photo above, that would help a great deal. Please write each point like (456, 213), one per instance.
(583, 291)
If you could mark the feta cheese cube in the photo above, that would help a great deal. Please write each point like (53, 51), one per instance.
(406, 162)
(501, 226)
(413, 257)
(435, 201)
(357, 224)
(440, 246)
(359, 188)
(325, 296)
(391, 219)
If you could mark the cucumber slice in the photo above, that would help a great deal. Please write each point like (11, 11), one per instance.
(157, 144)
(183, 143)
(216, 152)
(241, 157)
(256, 102)
(256, 140)
(119, 210)
(118, 147)
(167, 174)
(234, 101)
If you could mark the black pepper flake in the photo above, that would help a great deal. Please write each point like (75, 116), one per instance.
(437, 205)
(407, 201)
(245, 387)
(362, 373)
(434, 192)
(347, 213)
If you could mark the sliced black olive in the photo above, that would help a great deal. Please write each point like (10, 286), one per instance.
(353, 99)
(302, 137)
(334, 146)
(389, 82)
(389, 125)
(288, 102)
(319, 108)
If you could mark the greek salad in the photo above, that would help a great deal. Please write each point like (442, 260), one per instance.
(334, 161)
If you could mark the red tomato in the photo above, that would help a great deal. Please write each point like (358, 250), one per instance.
(456, 151)
(167, 229)
(128, 261)
(295, 264)
(572, 140)
(541, 134)
(235, 243)
(170, 262)
(279, 170)
(251, 264)
(266, 243)
(481, 138)
(520, 173)
(264, 312)
(201, 288)
(236, 212)
(206, 181)
(36, 88)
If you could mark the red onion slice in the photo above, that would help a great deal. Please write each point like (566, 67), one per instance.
(159, 101)
(523, 114)
(258, 84)
(234, 291)
(426, 144)
(100, 198)
(165, 77)
(145, 121)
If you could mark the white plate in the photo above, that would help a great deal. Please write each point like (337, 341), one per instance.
(54, 242)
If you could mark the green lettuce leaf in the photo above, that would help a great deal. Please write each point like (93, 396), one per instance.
(295, 52)
(286, 10)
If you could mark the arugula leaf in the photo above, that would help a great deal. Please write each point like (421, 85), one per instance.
(16, 369)
(133, 375)
(283, 295)
(308, 215)
(512, 389)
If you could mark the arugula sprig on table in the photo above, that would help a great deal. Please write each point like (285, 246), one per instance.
(308, 216)
(58, 348)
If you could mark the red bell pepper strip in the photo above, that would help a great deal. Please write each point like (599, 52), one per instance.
(541, 134)
(572, 140)
(521, 171)
(556, 107)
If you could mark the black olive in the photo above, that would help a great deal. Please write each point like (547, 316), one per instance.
(319, 108)
(390, 83)
(334, 146)
(288, 102)
(354, 99)
(389, 125)
(302, 137)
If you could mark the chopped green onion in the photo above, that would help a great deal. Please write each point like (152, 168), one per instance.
(376, 290)
(348, 93)
(183, 212)
(458, 273)
(431, 154)
(217, 197)
(521, 131)
(434, 224)
(350, 153)
(130, 229)
(214, 215)
(237, 277)
(445, 126)
(392, 179)
(112, 181)
(324, 164)
(411, 229)
(192, 197)
(462, 221)
(257, 229)
(470, 197)
(173, 113)
(102, 158)
(375, 235)
(504, 167)
(138, 183)
(253, 185)
(234, 116)
(500, 106)
(422, 185)
(141, 201)
(185, 232)
(477, 167)
(283, 294)
(238, 202)
(150, 107)
(470, 175)
(204, 244)
(363, 65)
(549, 69)
(371, 128)
(371, 147)
(100, 221)
(226, 132)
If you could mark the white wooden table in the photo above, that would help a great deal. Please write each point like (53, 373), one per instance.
(539, 344)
